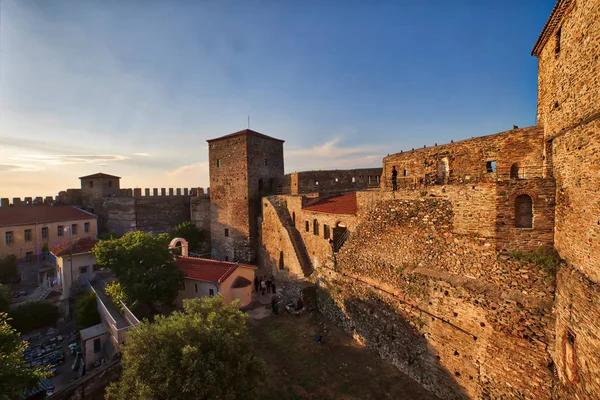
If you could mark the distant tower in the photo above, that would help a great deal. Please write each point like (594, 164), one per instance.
(93, 189)
(244, 166)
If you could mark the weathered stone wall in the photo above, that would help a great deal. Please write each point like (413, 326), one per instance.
(568, 80)
(466, 161)
(200, 213)
(332, 180)
(569, 111)
(577, 352)
(445, 308)
(229, 199)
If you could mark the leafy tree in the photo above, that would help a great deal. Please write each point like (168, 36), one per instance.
(15, 374)
(4, 298)
(33, 315)
(116, 292)
(86, 310)
(204, 352)
(9, 268)
(143, 264)
(190, 232)
(107, 236)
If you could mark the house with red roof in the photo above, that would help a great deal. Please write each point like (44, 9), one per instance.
(204, 277)
(75, 264)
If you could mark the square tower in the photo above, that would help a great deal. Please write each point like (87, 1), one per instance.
(244, 166)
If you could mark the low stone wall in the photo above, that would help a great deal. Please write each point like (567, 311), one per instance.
(91, 384)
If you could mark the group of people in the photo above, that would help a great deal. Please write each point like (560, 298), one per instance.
(264, 284)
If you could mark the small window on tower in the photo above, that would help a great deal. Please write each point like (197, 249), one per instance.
(353, 179)
(557, 48)
(317, 183)
(226, 232)
(218, 163)
(91, 184)
(490, 166)
(109, 183)
(266, 162)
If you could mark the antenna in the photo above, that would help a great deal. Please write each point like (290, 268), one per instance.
(248, 121)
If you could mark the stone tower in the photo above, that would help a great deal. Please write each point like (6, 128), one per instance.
(244, 166)
(568, 52)
(96, 187)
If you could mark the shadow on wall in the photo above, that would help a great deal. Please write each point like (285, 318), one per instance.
(381, 328)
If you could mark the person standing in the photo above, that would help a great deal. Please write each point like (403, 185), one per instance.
(263, 286)
(394, 178)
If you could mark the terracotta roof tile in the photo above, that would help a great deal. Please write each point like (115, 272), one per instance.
(79, 246)
(245, 132)
(345, 204)
(25, 215)
(203, 269)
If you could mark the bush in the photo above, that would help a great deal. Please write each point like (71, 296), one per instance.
(547, 259)
(32, 316)
(86, 310)
(9, 268)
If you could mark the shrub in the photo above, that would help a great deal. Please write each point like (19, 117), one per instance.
(547, 259)
(31, 316)
(86, 310)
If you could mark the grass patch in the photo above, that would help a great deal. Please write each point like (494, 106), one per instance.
(547, 259)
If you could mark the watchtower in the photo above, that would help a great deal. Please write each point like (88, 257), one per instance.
(244, 166)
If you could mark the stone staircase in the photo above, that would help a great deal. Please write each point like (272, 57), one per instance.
(294, 235)
(41, 292)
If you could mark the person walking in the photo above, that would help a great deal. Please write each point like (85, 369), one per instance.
(394, 178)
(256, 284)
(263, 286)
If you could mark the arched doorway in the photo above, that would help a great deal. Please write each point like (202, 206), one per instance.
(340, 234)
(523, 211)
(442, 171)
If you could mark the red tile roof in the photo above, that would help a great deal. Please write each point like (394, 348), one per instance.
(99, 175)
(245, 132)
(203, 269)
(79, 246)
(345, 204)
(27, 215)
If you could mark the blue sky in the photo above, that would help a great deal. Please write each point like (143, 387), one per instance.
(134, 88)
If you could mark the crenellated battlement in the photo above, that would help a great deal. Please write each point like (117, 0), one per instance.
(164, 192)
(27, 201)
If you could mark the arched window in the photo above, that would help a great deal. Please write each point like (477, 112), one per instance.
(523, 211)
(316, 227)
(514, 171)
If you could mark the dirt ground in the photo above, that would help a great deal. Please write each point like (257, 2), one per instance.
(339, 368)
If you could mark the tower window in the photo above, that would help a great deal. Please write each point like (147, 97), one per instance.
(307, 226)
(353, 179)
(91, 184)
(315, 227)
(109, 183)
(266, 162)
(226, 232)
(218, 163)
(557, 48)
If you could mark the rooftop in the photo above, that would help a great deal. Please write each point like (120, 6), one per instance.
(344, 204)
(27, 215)
(93, 331)
(99, 175)
(203, 269)
(79, 246)
(245, 132)
(559, 10)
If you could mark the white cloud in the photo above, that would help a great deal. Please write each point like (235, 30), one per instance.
(333, 155)
(142, 154)
(192, 175)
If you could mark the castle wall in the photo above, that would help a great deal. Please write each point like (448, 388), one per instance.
(200, 213)
(569, 111)
(466, 161)
(333, 180)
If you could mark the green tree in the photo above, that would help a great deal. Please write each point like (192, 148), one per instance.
(86, 310)
(115, 291)
(33, 315)
(4, 298)
(190, 232)
(15, 374)
(204, 352)
(143, 264)
(9, 268)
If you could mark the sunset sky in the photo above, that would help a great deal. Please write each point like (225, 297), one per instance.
(135, 88)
